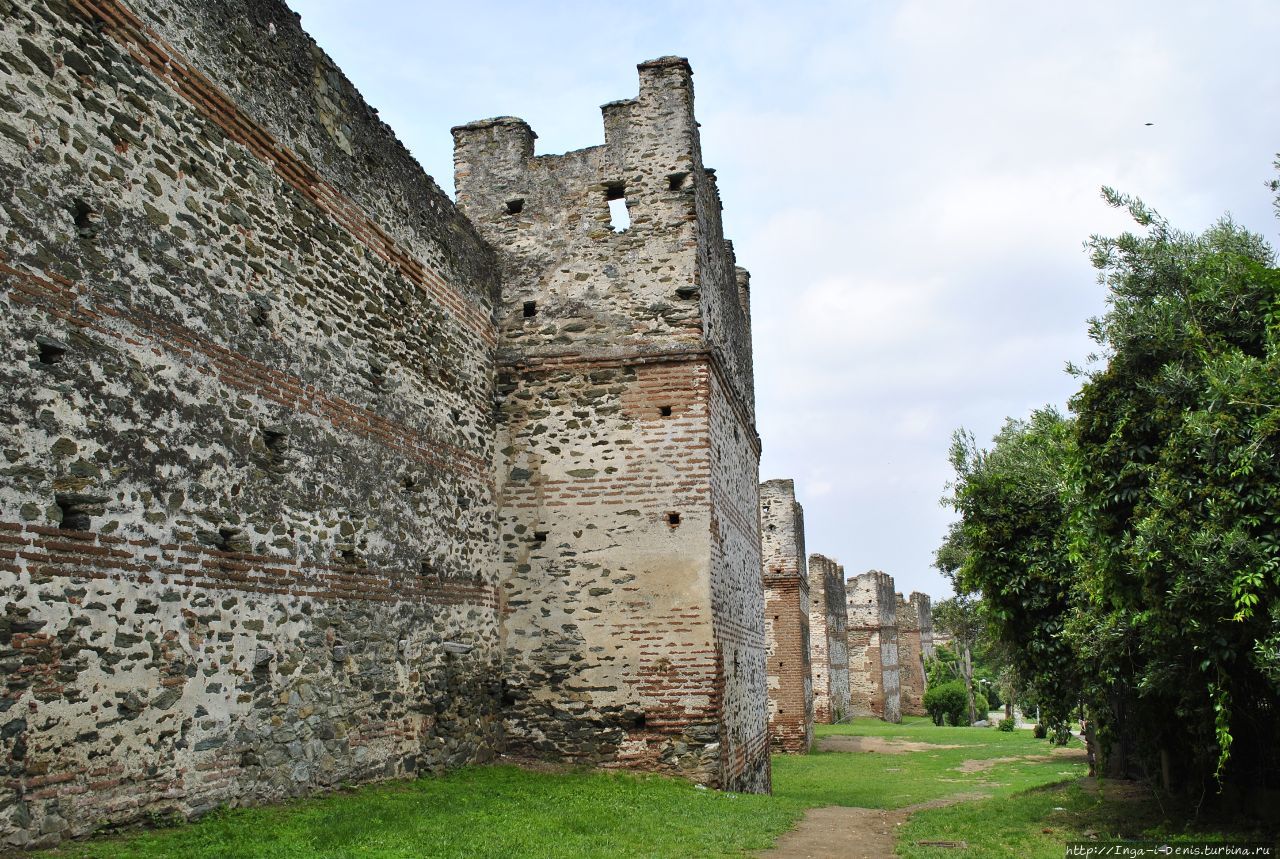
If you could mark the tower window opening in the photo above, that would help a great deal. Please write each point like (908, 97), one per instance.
(616, 195)
(530, 309)
(673, 519)
(516, 206)
(619, 218)
(665, 411)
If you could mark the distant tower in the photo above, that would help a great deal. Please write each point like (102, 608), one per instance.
(910, 656)
(628, 460)
(873, 646)
(786, 617)
(828, 640)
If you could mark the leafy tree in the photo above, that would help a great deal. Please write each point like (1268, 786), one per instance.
(1014, 502)
(1177, 531)
(960, 615)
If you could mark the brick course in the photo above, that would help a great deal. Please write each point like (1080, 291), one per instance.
(786, 612)
(829, 640)
(873, 646)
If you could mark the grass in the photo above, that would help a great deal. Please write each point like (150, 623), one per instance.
(898, 780)
(498, 811)
(1034, 804)
(1035, 824)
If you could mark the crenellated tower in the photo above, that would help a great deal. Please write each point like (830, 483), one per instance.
(628, 460)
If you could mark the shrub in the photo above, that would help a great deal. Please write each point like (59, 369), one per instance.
(947, 703)
(944, 701)
(1040, 731)
(1006, 725)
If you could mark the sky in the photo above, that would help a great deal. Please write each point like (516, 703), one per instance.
(910, 183)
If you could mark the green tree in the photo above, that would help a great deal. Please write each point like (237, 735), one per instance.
(960, 615)
(1177, 531)
(1014, 502)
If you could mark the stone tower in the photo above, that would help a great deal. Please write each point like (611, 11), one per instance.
(628, 461)
(911, 681)
(828, 640)
(873, 646)
(786, 617)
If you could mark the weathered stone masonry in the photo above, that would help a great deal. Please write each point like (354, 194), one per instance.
(627, 451)
(247, 543)
(786, 617)
(828, 640)
(873, 646)
(251, 544)
(911, 678)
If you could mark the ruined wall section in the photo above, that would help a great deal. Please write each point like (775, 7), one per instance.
(627, 448)
(828, 640)
(910, 658)
(786, 617)
(873, 646)
(737, 596)
(924, 614)
(246, 495)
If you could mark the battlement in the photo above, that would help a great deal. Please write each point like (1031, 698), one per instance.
(629, 461)
(782, 531)
(613, 249)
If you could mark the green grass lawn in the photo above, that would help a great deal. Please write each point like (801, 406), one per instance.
(1035, 824)
(498, 811)
(1034, 806)
(876, 780)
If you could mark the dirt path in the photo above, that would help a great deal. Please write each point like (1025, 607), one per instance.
(876, 744)
(854, 833)
(1064, 754)
(871, 833)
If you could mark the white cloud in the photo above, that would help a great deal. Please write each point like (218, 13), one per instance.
(909, 183)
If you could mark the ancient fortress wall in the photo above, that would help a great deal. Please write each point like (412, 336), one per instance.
(923, 604)
(247, 542)
(627, 457)
(873, 646)
(910, 658)
(786, 617)
(828, 640)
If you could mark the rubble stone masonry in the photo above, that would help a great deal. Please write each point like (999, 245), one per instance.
(828, 640)
(627, 455)
(923, 604)
(873, 646)
(786, 617)
(910, 658)
(247, 537)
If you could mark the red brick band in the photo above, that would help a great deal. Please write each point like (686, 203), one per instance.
(61, 298)
(145, 46)
(45, 551)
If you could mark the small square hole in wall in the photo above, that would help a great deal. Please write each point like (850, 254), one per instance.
(516, 206)
(673, 519)
(665, 411)
(619, 218)
(539, 537)
(51, 351)
(530, 309)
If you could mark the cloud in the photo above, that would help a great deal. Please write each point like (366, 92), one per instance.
(910, 184)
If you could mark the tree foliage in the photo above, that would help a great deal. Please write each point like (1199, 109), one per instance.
(1013, 502)
(1177, 533)
(1131, 553)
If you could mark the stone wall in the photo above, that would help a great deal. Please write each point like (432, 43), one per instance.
(910, 658)
(786, 617)
(924, 616)
(247, 542)
(873, 646)
(828, 640)
(627, 452)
